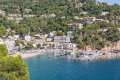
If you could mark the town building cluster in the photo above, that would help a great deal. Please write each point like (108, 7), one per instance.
(46, 40)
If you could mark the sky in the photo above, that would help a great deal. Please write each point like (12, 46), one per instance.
(110, 1)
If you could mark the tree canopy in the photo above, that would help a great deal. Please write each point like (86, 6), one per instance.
(12, 68)
(3, 51)
(97, 35)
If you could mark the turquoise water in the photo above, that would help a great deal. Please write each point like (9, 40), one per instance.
(44, 68)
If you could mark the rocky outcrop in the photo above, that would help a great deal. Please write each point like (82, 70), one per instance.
(113, 46)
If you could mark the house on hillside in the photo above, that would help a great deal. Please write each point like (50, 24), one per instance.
(84, 13)
(75, 26)
(98, 20)
(61, 39)
(52, 34)
(104, 13)
(28, 11)
(91, 19)
(2, 12)
(29, 16)
(66, 46)
(63, 17)
(16, 17)
(43, 36)
(70, 35)
(115, 22)
(37, 36)
(16, 37)
(17, 11)
(49, 39)
(48, 15)
(27, 38)
(118, 17)
(76, 17)
(72, 46)
(10, 44)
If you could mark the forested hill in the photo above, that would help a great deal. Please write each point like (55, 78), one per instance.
(58, 15)
(59, 7)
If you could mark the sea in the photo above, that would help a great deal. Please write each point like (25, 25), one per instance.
(62, 68)
(110, 1)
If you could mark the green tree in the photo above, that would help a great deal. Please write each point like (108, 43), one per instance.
(2, 31)
(113, 34)
(3, 51)
(12, 68)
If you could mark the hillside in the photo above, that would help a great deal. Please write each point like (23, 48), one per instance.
(59, 7)
(59, 15)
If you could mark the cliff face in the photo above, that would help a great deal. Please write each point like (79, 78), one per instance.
(113, 46)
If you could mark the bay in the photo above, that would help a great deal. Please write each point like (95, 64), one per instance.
(61, 68)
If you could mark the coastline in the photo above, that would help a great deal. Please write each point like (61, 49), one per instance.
(26, 55)
(106, 55)
(85, 56)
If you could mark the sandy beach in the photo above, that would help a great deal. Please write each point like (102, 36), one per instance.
(27, 55)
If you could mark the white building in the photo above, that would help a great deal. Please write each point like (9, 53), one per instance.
(2, 12)
(63, 17)
(90, 19)
(61, 39)
(104, 13)
(10, 44)
(74, 26)
(52, 34)
(16, 37)
(49, 39)
(76, 17)
(44, 36)
(68, 46)
(16, 17)
(27, 11)
(29, 16)
(27, 38)
(48, 15)
(72, 46)
(84, 13)
(52, 15)
(70, 35)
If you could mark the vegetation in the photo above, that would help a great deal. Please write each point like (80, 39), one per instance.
(59, 7)
(3, 51)
(12, 68)
(97, 35)
(28, 47)
(64, 11)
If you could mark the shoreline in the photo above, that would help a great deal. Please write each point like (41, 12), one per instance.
(96, 57)
(26, 55)
(33, 53)
(86, 56)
